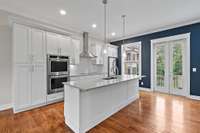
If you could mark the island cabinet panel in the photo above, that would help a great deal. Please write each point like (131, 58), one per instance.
(131, 92)
(72, 108)
(84, 109)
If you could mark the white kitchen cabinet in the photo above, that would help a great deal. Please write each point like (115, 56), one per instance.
(75, 48)
(58, 44)
(97, 50)
(112, 51)
(22, 91)
(21, 35)
(65, 46)
(37, 45)
(29, 72)
(53, 42)
(38, 85)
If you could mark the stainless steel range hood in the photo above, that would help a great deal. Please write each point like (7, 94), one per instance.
(86, 53)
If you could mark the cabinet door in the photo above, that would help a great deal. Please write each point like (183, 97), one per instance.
(38, 85)
(21, 44)
(76, 51)
(65, 46)
(37, 46)
(115, 52)
(22, 87)
(52, 43)
(112, 51)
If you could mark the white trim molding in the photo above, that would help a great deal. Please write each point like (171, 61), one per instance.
(146, 89)
(187, 52)
(5, 107)
(193, 97)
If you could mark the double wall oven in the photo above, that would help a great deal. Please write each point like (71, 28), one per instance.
(58, 72)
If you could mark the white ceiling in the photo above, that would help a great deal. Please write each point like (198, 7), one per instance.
(142, 15)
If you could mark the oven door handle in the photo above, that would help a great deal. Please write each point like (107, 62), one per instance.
(59, 76)
(59, 60)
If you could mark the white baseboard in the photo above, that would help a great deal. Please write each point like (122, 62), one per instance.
(146, 89)
(28, 108)
(194, 97)
(5, 107)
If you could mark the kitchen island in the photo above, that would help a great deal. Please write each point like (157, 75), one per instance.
(88, 102)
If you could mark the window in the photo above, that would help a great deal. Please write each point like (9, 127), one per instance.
(131, 59)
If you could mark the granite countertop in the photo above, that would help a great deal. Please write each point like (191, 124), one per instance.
(86, 74)
(87, 84)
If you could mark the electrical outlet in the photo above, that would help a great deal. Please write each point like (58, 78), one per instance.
(194, 69)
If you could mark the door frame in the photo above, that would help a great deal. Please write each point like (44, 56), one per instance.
(187, 57)
(140, 56)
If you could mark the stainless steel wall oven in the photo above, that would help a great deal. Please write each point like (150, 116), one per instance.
(58, 72)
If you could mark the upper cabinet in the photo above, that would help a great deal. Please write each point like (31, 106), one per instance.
(21, 50)
(112, 51)
(97, 50)
(53, 43)
(63, 45)
(29, 45)
(38, 46)
(75, 49)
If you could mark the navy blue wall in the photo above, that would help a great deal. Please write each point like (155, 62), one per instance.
(194, 29)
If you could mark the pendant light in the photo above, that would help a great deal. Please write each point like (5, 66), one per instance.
(105, 25)
(124, 32)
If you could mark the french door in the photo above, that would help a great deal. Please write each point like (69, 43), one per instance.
(169, 67)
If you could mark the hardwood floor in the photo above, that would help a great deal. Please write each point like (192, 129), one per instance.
(152, 113)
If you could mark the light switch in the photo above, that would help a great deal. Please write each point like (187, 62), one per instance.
(194, 69)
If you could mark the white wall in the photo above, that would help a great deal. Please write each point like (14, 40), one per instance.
(5, 66)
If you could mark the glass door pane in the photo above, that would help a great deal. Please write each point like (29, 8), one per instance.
(176, 69)
(160, 66)
(161, 70)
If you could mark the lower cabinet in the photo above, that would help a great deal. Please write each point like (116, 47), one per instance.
(29, 86)
(38, 85)
(22, 87)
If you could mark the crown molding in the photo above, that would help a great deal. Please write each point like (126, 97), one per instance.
(168, 27)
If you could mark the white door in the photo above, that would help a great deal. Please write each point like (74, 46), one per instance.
(65, 46)
(21, 35)
(38, 46)
(53, 43)
(22, 86)
(38, 85)
(169, 66)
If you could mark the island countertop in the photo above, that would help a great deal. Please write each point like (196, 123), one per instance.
(87, 84)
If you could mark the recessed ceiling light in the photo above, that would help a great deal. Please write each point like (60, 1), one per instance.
(94, 25)
(113, 33)
(62, 12)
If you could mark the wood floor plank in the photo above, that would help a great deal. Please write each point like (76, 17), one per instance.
(152, 113)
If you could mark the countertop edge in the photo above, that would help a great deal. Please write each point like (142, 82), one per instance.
(82, 89)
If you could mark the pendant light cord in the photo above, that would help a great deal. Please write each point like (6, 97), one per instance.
(124, 27)
(105, 23)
